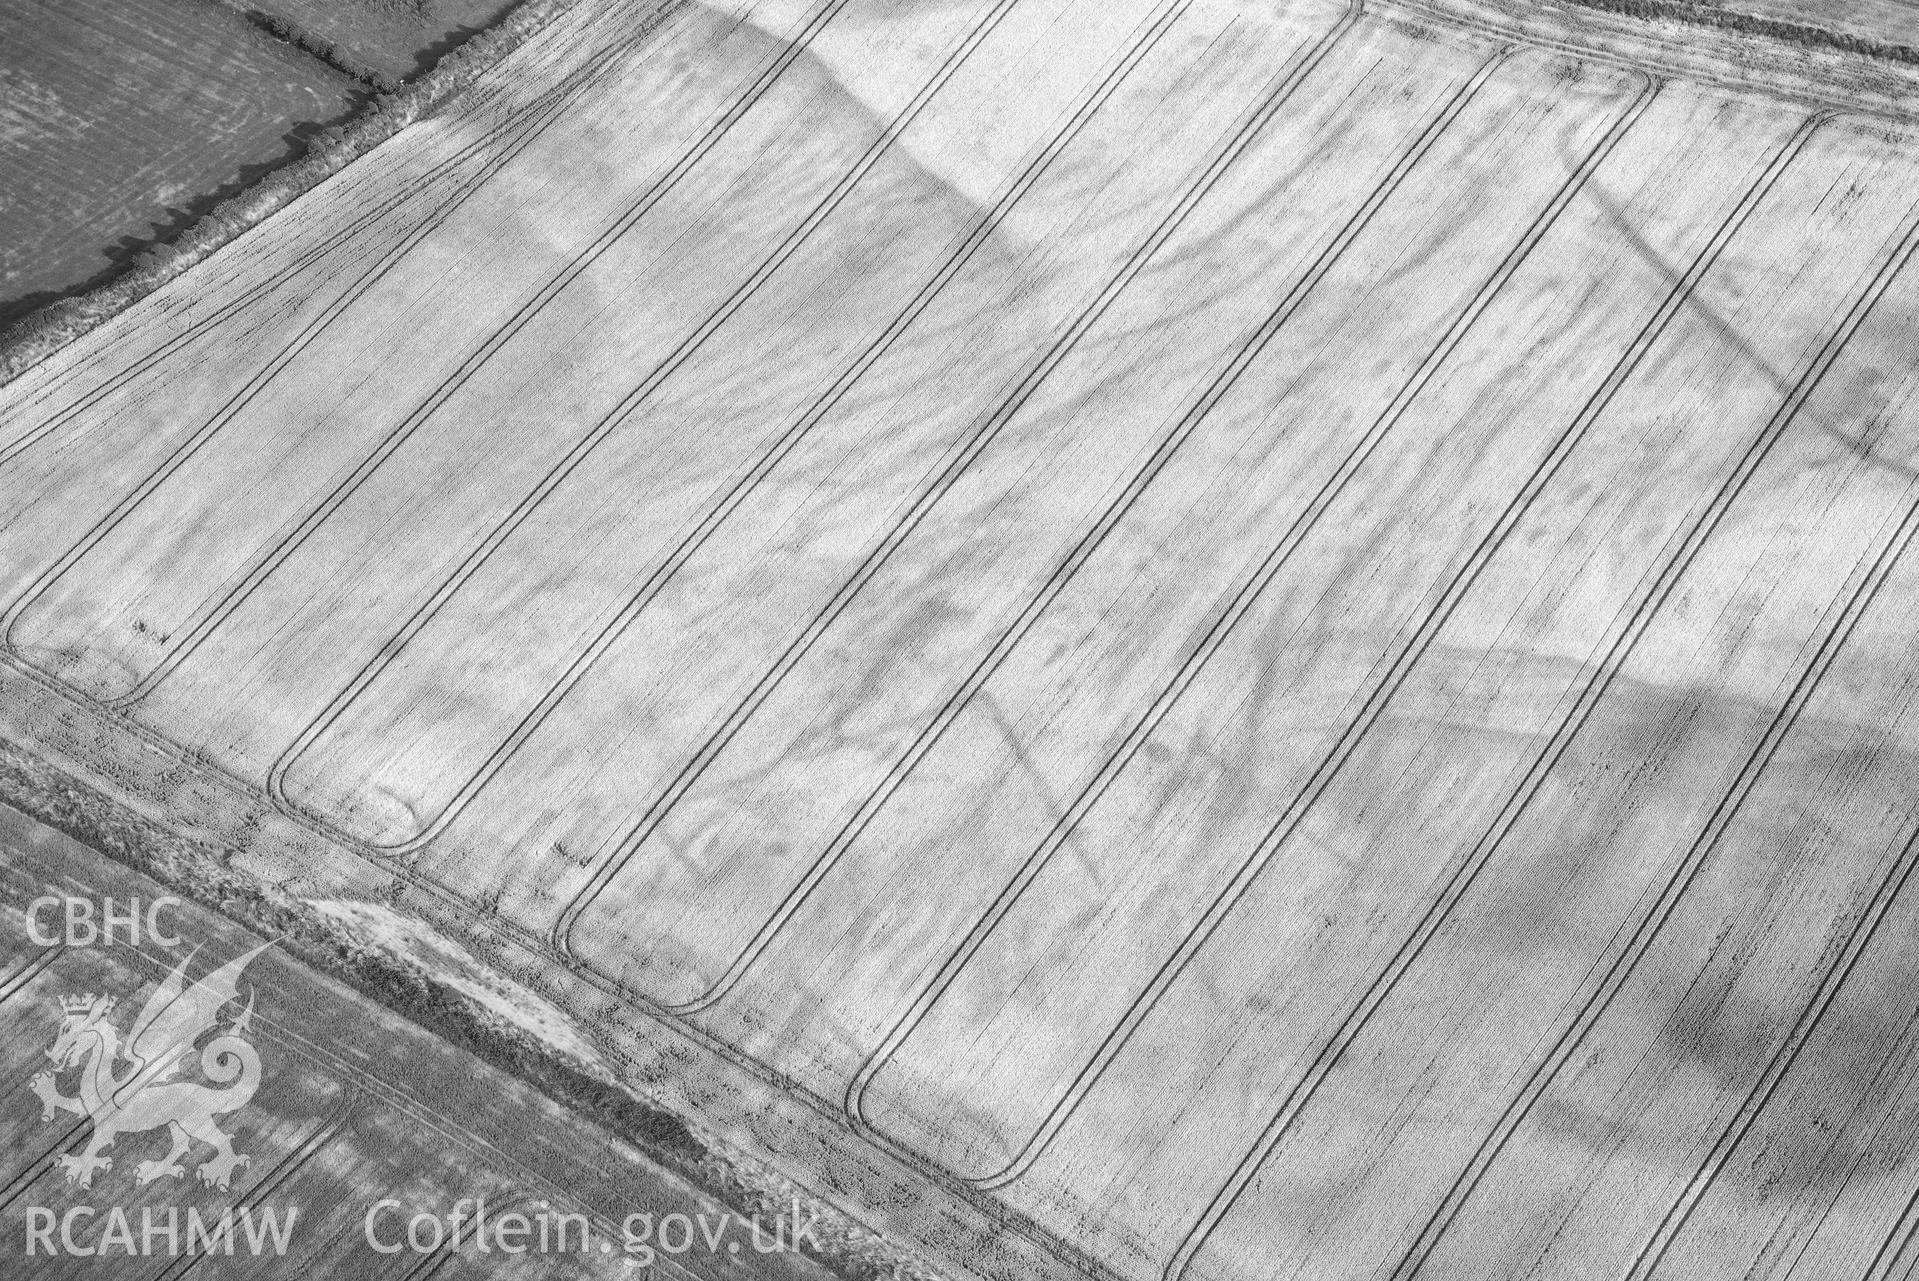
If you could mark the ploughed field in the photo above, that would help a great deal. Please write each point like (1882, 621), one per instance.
(1264, 641)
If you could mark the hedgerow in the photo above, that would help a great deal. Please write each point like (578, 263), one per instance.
(1803, 34)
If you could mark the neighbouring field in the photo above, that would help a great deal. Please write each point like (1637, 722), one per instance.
(1229, 641)
(123, 120)
(353, 1106)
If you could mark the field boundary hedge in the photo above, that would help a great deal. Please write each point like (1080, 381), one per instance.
(1810, 36)
(38, 334)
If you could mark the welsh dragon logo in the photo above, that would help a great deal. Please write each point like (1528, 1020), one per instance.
(129, 1088)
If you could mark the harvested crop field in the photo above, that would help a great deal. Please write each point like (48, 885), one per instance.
(123, 120)
(1150, 640)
